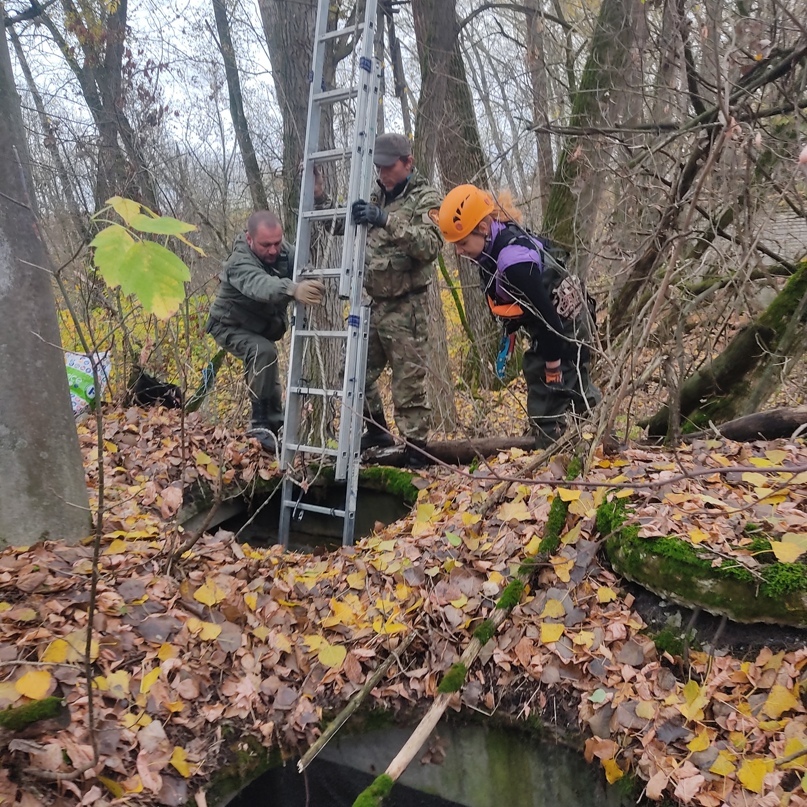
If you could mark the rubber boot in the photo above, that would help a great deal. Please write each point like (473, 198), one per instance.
(414, 458)
(376, 435)
(259, 427)
(547, 436)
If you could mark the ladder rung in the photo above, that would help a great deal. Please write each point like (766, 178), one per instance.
(334, 334)
(341, 32)
(331, 452)
(316, 391)
(330, 155)
(325, 214)
(315, 508)
(333, 96)
(326, 272)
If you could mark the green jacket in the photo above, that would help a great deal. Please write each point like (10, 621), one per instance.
(254, 295)
(399, 256)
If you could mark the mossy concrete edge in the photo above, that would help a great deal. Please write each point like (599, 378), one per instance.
(676, 570)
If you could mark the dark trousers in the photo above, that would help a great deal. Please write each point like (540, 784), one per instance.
(259, 355)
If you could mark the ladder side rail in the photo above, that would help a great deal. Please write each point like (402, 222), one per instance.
(352, 476)
(352, 404)
(292, 416)
(363, 142)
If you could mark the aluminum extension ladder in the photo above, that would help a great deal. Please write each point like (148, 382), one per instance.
(364, 99)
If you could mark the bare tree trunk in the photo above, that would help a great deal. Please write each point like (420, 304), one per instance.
(251, 167)
(122, 167)
(289, 30)
(43, 493)
(447, 133)
(576, 188)
(77, 216)
(536, 64)
(730, 384)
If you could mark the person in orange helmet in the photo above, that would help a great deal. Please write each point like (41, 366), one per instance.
(528, 288)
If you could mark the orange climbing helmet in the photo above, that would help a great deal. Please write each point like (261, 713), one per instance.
(462, 210)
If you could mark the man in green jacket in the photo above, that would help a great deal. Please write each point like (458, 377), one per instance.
(249, 315)
(402, 242)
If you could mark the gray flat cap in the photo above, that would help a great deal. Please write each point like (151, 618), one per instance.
(389, 148)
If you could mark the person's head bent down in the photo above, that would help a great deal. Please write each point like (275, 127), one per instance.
(393, 159)
(264, 235)
(465, 219)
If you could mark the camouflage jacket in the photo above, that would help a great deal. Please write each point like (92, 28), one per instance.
(254, 295)
(399, 256)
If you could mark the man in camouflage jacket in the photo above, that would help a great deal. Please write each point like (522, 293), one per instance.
(249, 314)
(402, 243)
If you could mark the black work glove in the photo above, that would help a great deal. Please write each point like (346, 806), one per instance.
(368, 213)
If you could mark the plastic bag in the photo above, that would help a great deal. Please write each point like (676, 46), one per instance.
(83, 394)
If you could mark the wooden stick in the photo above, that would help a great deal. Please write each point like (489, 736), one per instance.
(352, 705)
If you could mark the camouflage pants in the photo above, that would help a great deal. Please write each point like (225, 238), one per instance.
(398, 336)
(259, 355)
(547, 405)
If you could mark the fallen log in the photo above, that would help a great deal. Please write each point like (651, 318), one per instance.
(452, 452)
(770, 425)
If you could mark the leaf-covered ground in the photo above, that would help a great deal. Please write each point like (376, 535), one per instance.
(233, 639)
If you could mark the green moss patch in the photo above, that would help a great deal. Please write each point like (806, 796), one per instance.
(677, 570)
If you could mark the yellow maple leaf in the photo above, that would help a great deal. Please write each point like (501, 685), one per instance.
(388, 627)
(584, 638)
(133, 721)
(695, 700)
(738, 740)
(470, 518)
(583, 506)
(551, 631)
(34, 684)
(786, 553)
(567, 495)
(605, 594)
(356, 580)
(78, 643)
(282, 643)
(756, 480)
(175, 706)
(179, 759)
(133, 784)
(209, 593)
(697, 535)
(460, 602)
(646, 710)
(331, 655)
(117, 547)
(118, 684)
(515, 510)
(752, 773)
(532, 547)
(780, 700)
(313, 642)
(553, 609)
(563, 568)
(251, 599)
(793, 746)
(167, 651)
(775, 455)
(700, 742)
(8, 693)
(148, 681)
(613, 773)
(56, 652)
(210, 631)
(261, 633)
(724, 764)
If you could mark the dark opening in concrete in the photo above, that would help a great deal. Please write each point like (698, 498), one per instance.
(255, 521)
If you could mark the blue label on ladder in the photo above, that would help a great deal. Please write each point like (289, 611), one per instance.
(366, 64)
(353, 321)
